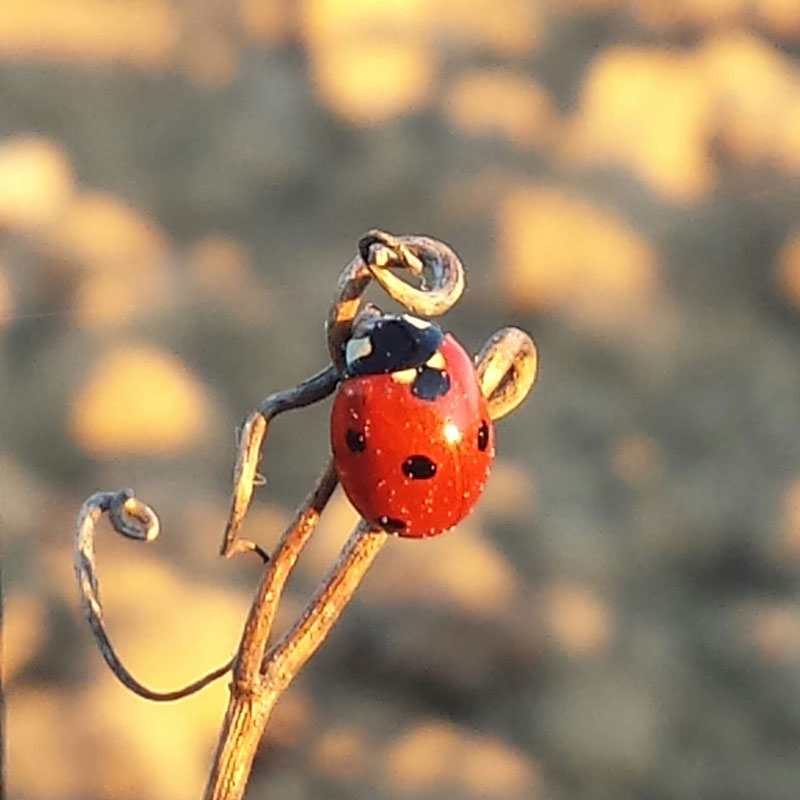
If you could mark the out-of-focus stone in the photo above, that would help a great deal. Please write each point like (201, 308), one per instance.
(438, 756)
(646, 110)
(557, 249)
(100, 231)
(500, 102)
(578, 621)
(142, 34)
(342, 753)
(25, 626)
(139, 400)
(368, 60)
(461, 568)
(788, 271)
(6, 301)
(36, 181)
(753, 86)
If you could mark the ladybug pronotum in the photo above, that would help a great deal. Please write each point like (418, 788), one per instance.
(411, 435)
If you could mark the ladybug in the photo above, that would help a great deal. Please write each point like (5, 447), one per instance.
(411, 435)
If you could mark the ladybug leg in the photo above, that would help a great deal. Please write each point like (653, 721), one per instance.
(439, 268)
(245, 474)
(506, 366)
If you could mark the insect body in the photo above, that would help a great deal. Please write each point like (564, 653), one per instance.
(412, 439)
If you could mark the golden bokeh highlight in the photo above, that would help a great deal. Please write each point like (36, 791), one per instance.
(579, 623)
(438, 756)
(142, 34)
(118, 255)
(753, 86)
(371, 61)
(44, 749)
(100, 231)
(636, 459)
(506, 27)
(36, 181)
(24, 631)
(675, 16)
(6, 300)
(681, 14)
(775, 631)
(789, 521)
(342, 754)
(558, 249)
(788, 271)
(510, 491)
(645, 110)
(372, 81)
(218, 263)
(781, 16)
(660, 113)
(461, 570)
(139, 400)
(266, 22)
(211, 61)
(500, 103)
(114, 298)
(367, 62)
(292, 720)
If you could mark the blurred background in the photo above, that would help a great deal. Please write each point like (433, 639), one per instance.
(180, 185)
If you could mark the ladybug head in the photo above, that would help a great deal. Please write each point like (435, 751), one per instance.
(391, 343)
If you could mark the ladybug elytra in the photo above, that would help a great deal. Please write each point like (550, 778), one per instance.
(411, 435)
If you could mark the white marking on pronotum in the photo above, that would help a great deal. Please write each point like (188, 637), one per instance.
(436, 361)
(404, 375)
(416, 322)
(358, 348)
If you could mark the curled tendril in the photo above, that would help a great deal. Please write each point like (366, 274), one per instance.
(507, 366)
(436, 265)
(133, 519)
(506, 369)
(441, 275)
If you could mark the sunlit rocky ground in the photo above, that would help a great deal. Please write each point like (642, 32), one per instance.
(180, 184)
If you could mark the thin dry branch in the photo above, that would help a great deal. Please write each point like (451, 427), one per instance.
(252, 701)
(506, 370)
(290, 653)
(251, 441)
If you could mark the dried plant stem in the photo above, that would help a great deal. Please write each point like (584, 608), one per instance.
(253, 699)
(506, 370)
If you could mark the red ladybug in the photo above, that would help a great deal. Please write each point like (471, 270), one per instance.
(412, 439)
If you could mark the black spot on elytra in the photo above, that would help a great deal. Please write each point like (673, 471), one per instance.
(419, 467)
(483, 435)
(430, 384)
(356, 441)
(391, 525)
(396, 345)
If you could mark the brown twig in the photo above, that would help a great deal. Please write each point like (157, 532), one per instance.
(252, 700)
(251, 441)
(506, 370)
(253, 697)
